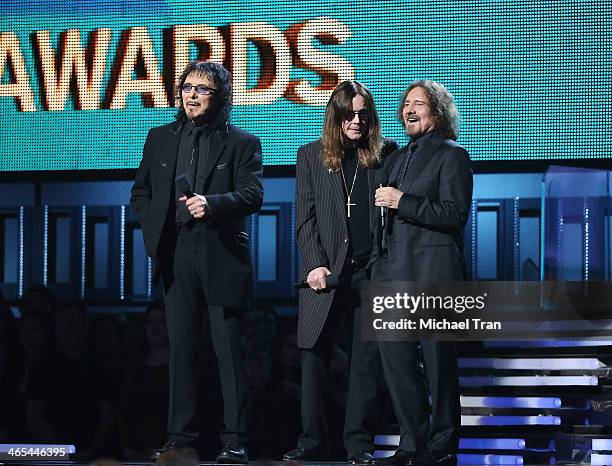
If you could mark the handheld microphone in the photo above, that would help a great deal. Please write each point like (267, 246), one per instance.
(184, 186)
(381, 181)
(331, 281)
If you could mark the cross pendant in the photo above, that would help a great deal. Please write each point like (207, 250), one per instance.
(348, 206)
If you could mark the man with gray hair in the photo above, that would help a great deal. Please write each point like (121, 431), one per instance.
(427, 201)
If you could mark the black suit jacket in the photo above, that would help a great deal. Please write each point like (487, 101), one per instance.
(322, 232)
(233, 188)
(428, 226)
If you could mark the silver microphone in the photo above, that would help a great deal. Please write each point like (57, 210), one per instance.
(382, 211)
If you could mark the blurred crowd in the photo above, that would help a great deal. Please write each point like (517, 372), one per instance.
(100, 381)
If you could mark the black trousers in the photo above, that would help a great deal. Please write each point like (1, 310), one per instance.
(403, 364)
(416, 372)
(316, 388)
(184, 276)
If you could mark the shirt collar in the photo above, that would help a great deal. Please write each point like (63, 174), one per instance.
(423, 139)
(205, 127)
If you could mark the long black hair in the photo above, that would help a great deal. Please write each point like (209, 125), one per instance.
(222, 98)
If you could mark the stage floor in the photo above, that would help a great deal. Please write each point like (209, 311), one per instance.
(212, 463)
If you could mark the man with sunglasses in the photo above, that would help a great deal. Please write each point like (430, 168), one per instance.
(194, 232)
(335, 211)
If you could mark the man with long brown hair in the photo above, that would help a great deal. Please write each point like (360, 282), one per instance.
(335, 215)
(428, 203)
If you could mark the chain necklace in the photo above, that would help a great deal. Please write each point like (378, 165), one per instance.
(349, 193)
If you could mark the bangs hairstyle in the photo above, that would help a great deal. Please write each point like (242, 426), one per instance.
(442, 106)
(221, 98)
(339, 105)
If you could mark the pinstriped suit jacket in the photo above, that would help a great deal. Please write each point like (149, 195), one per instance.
(322, 232)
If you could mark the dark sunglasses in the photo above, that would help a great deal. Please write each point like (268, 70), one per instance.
(362, 114)
(200, 89)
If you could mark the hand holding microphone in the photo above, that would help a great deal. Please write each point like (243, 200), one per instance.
(388, 197)
(381, 180)
(195, 203)
(319, 279)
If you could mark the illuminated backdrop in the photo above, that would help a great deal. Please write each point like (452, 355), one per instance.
(83, 81)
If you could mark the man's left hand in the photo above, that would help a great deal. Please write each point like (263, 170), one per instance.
(196, 205)
(387, 197)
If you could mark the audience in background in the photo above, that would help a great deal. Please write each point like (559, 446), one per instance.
(106, 352)
(57, 390)
(100, 381)
(260, 330)
(283, 424)
(38, 299)
(35, 337)
(8, 365)
(143, 413)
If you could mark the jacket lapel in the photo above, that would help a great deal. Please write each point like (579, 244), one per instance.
(218, 143)
(335, 183)
(420, 159)
(171, 146)
(397, 164)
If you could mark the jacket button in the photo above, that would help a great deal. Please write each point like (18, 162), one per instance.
(346, 240)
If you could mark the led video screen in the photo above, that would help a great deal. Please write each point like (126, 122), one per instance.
(83, 81)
